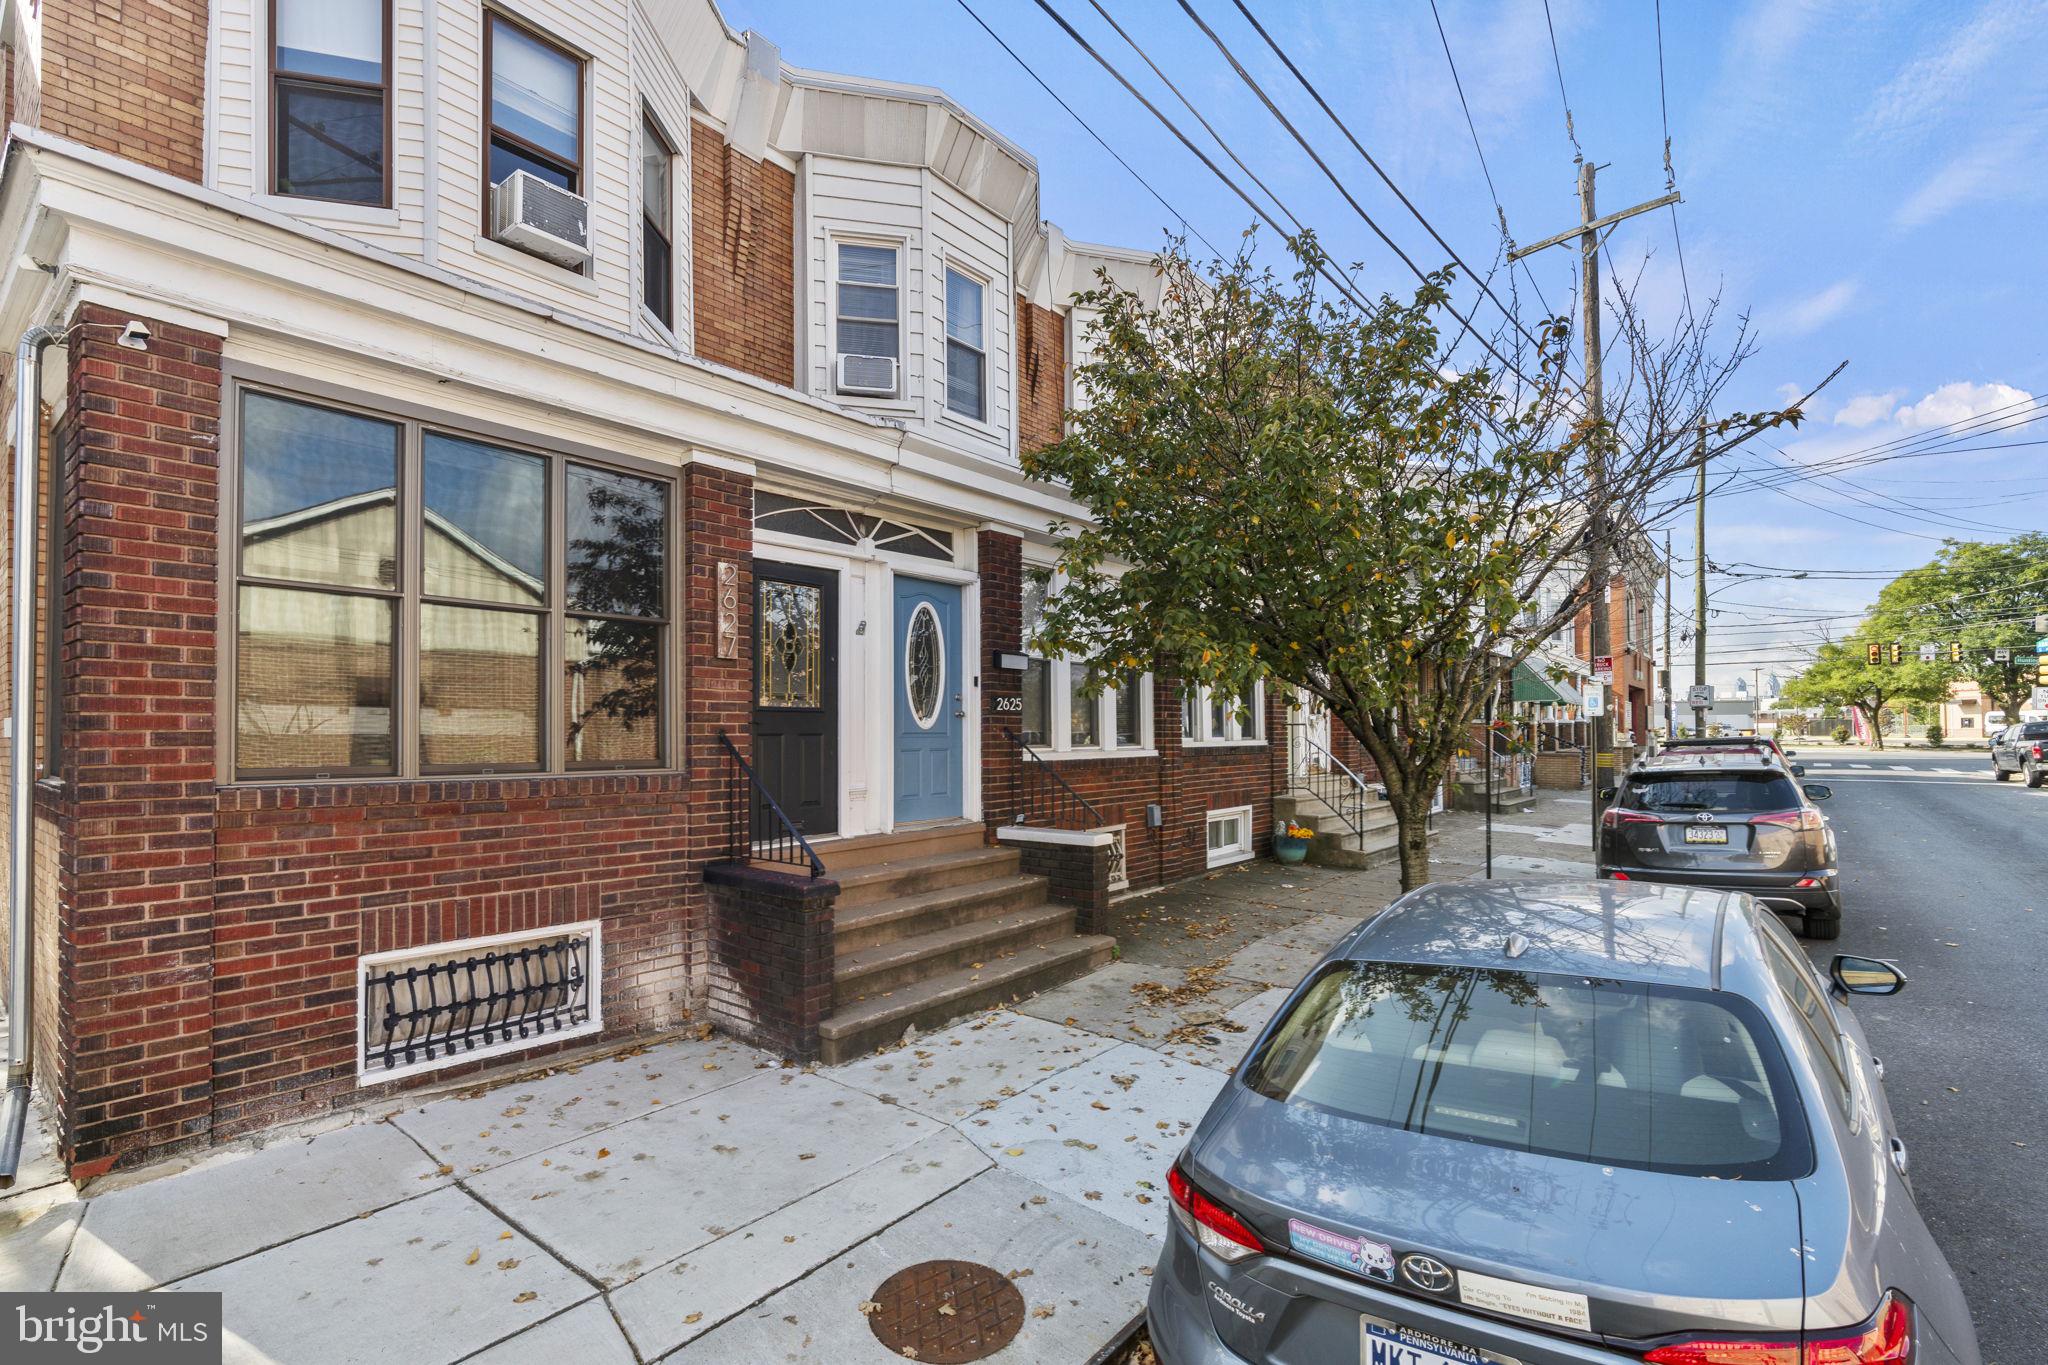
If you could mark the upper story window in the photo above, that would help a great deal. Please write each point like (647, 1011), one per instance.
(867, 327)
(536, 106)
(657, 205)
(330, 93)
(966, 355)
(411, 601)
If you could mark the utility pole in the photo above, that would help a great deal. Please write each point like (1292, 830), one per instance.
(1699, 583)
(1664, 673)
(1600, 643)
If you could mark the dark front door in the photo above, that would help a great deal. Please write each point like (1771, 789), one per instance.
(796, 694)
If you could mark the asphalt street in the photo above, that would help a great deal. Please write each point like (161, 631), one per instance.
(1946, 872)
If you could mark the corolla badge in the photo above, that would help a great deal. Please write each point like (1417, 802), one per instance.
(1236, 1305)
(1426, 1273)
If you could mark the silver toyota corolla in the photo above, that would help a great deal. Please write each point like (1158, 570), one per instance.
(1558, 1124)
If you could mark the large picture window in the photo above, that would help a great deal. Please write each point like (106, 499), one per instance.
(536, 93)
(1057, 717)
(330, 91)
(413, 600)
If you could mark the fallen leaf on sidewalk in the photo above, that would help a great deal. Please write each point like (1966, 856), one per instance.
(525, 1296)
(947, 1310)
(505, 1236)
(689, 1318)
(1044, 1310)
(1091, 1194)
(474, 1257)
(1125, 1081)
(509, 1263)
(870, 1308)
(1013, 1151)
(604, 1152)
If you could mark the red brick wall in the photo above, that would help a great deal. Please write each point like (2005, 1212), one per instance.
(1633, 668)
(743, 243)
(1041, 375)
(142, 465)
(1187, 783)
(128, 77)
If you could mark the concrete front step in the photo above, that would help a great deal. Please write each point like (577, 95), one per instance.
(873, 883)
(861, 1028)
(987, 939)
(1376, 848)
(870, 924)
(922, 841)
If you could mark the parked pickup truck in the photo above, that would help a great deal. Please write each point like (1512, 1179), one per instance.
(2023, 748)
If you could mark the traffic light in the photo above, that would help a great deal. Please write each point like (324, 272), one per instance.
(1876, 653)
(2041, 671)
(1955, 651)
(1898, 652)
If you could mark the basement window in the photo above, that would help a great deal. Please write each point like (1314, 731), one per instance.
(1230, 836)
(422, 1009)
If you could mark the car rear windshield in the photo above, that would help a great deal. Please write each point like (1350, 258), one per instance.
(1649, 1076)
(1729, 793)
(2034, 729)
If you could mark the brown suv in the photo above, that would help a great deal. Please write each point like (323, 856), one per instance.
(1728, 821)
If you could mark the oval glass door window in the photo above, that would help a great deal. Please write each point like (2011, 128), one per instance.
(924, 665)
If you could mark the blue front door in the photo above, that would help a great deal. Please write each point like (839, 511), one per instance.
(930, 701)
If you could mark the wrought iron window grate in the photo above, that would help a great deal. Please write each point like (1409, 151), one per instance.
(425, 1011)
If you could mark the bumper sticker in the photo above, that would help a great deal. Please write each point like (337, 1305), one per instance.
(1359, 1255)
(1551, 1307)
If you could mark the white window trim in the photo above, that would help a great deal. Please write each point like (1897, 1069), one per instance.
(985, 423)
(595, 986)
(1233, 736)
(665, 330)
(1059, 743)
(901, 246)
(1235, 853)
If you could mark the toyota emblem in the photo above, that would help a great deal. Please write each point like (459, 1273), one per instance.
(1703, 818)
(1426, 1273)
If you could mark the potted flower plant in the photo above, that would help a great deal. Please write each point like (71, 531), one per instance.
(1291, 841)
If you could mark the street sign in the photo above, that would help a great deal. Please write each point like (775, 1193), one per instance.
(1596, 701)
(2041, 644)
(1700, 694)
(2025, 660)
(1603, 668)
(2003, 654)
(1928, 653)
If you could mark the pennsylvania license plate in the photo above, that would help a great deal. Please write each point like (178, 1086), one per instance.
(1705, 834)
(1383, 1344)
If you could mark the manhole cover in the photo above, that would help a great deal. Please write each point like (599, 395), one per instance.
(986, 1312)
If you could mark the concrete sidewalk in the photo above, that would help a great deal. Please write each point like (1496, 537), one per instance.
(696, 1200)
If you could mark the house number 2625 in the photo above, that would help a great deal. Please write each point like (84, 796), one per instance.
(1009, 704)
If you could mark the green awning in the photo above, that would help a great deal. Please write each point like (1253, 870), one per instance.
(1531, 685)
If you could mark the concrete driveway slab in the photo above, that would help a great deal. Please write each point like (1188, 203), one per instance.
(166, 1229)
(425, 1282)
(622, 1201)
(1104, 1003)
(1104, 1133)
(585, 1335)
(1088, 1275)
(475, 1131)
(949, 1075)
(35, 1232)
(692, 1296)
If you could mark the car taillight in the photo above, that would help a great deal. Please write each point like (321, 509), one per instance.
(2037, 751)
(1790, 819)
(1215, 1227)
(1613, 817)
(1886, 1340)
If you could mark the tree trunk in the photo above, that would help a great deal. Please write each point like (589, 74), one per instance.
(1411, 822)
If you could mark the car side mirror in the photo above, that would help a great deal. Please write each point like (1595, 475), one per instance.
(1818, 791)
(1607, 793)
(1866, 975)
(1791, 753)
(1798, 770)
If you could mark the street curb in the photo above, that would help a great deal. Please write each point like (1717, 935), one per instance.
(1125, 1335)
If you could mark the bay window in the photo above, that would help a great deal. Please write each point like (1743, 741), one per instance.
(330, 99)
(1211, 717)
(1056, 718)
(414, 601)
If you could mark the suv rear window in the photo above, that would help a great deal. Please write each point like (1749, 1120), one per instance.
(2034, 729)
(1747, 793)
(1649, 1076)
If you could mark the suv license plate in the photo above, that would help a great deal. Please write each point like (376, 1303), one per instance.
(1705, 834)
(1383, 1344)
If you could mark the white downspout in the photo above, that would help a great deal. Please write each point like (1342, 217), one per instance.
(21, 776)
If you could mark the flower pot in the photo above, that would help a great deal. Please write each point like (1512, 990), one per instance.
(1288, 849)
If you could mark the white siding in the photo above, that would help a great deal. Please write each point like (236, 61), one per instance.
(935, 225)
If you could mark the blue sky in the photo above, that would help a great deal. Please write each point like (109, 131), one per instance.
(1862, 177)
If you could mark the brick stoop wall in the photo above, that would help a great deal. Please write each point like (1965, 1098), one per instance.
(771, 956)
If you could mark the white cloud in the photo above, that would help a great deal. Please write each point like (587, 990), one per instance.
(1816, 310)
(1999, 169)
(1934, 85)
(1867, 409)
(1958, 402)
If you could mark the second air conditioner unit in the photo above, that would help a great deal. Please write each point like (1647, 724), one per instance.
(868, 374)
(542, 219)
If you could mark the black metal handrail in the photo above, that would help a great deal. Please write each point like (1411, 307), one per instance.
(1323, 775)
(1045, 795)
(747, 802)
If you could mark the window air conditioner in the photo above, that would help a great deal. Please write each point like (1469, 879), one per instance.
(869, 374)
(542, 219)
